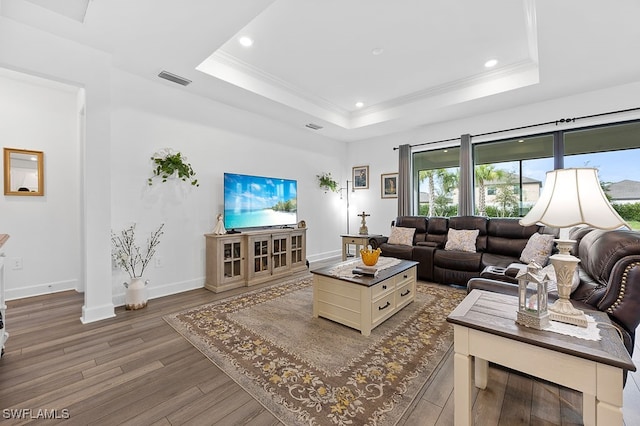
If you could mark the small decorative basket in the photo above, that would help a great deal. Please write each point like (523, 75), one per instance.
(370, 257)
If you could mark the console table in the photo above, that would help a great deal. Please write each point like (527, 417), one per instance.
(253, 257)
(363, 302)
(485, 328)
(358, 240)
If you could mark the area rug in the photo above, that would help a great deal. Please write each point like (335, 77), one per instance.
(314, 371)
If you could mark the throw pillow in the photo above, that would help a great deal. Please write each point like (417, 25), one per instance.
(462, 239)
(553, 284)
(400, 235)
(538, 249)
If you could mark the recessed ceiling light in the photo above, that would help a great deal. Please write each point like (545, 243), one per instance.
(377, 51)
(491, 63)
(359, 104)
(246, 41)
(520, 140)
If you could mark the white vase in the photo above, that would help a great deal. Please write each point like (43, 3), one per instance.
(136, 294)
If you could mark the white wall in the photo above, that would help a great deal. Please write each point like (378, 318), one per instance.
(116, 142)
(44, 231)
(383, 159)
(148, 116)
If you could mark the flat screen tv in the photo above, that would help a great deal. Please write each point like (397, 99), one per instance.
(259, 202)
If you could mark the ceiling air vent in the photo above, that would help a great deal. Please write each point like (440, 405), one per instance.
(175, 78)
(313, 126)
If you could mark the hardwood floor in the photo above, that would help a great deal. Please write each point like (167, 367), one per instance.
(135, 369)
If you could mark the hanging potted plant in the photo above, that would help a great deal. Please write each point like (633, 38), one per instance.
(131, 259)
(168, 163)
(326, 182)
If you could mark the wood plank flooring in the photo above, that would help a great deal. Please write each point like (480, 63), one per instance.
(134, 369)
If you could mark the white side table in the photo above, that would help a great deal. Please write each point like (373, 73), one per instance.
(355, 239)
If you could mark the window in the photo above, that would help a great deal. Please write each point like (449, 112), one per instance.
(509, 174)
(615, 151)
(512, 171)
(436, 175)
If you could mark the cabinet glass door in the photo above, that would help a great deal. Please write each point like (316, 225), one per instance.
(260, 256)
(232, 259)
(280, 252)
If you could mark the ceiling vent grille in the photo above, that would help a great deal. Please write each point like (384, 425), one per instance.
(175, 78)
(313, 126)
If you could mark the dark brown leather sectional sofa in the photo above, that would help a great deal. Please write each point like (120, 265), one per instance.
(609, 268)
(500, 242)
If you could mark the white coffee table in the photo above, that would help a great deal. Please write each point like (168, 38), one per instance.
(363, 303)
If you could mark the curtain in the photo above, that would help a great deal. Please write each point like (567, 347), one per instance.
(465, 186)
(404, 180)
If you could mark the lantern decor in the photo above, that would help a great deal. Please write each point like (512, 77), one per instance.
(532, 297)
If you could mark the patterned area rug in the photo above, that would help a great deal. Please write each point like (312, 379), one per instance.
(314, 371)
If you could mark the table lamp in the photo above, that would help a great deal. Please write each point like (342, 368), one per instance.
(571, 197)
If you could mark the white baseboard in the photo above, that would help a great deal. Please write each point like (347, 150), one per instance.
(97, 313)
(40, 289)
(156, 291)
(324, 256)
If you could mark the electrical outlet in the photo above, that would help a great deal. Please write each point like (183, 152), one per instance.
(158, 262)
(17, 263)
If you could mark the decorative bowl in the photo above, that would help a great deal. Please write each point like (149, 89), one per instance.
(370, 257)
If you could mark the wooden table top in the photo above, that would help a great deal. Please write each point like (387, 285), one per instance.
(495, 313)
(383, 274)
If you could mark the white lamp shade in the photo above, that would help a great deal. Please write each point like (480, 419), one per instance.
(573, 197)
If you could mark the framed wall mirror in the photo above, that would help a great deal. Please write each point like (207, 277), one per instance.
(23, 172)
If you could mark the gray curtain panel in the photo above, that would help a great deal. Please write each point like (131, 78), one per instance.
(404, 180)
(465, 186)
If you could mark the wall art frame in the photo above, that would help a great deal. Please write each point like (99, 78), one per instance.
(360, 177)
(389, 185)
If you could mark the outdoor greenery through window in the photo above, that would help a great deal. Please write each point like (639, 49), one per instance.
(615, 151)
(509, 174)
(436, 175)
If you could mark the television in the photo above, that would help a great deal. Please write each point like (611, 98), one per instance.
(259, 202)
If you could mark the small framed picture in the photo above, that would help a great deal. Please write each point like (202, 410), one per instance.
(389, 185)
(361, 177)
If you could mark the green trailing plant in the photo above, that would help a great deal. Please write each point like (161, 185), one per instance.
(326, 182)
(128, 255)
(168, 163)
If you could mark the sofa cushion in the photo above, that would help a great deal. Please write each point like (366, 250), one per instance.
(429, 244)
(438, 225)
(417, 222)
(402, 236)
(510, 228)
(463, 240)
(437, 229)
(472, 222)
(500, 260)
(600, 250)
(458, 260)
(398, 251)
(538, 249)
(506, 246)
(507, 237)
